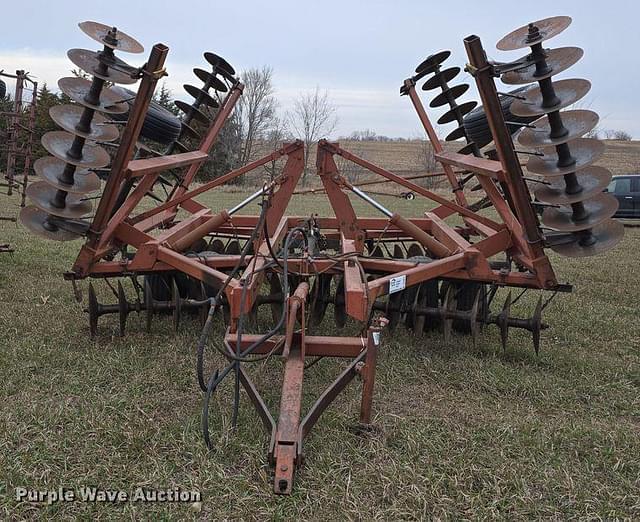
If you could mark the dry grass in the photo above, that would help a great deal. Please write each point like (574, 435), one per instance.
(464, 432)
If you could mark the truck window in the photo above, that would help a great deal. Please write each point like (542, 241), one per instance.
(620, 186)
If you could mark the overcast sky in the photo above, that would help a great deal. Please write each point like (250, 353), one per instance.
(358, 50)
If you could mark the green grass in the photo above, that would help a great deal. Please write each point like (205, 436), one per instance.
(463, 432)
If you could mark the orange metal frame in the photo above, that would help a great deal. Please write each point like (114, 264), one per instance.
(161, 242)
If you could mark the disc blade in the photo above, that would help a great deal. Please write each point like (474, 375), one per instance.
(339, 308)
(78, 88)
(89, 62)
(521, 37)
(593, 181)
(201, 96)
(567, 91)
(441, 78)
(415, 250)
(192, 112)
(218, 62)
(456, 134)
(469, 148)
(41, 194)
(449, 95)
(50, 170)
(319, 297)
(189, 131)
(101, 33)
(577, 123)
(432, 62)
(233, 248)
(211, 79)
(457, 112)
(607, 235)
(58, 143)
(585, 151)
(557, 60)
(68, 117)
(599, 209)
(36, 221)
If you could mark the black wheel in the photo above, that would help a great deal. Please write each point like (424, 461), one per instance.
(160, 125)
(3, 89)
(476, 125)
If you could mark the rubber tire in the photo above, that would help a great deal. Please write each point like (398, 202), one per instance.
(477, 127)
(3, 89)
(160, 125)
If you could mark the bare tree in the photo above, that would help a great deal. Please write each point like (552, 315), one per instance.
(256, 109)
(427, 162)
(621, 135)
(313, 116)
(273, 139)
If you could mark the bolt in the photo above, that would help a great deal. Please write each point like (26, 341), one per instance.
(284, 467)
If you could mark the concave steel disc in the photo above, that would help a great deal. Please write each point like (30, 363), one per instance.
(593, 181)
(319, 297)
(218, 62)
(58, 144)
(521, 38)
(41, 194)
(567, 91)
(438, 79)
(78, 88)
(577, 122)
(432, 62)
(214, 82)
(123, 42)
(50, 169)
(189, 131)
(456, 134)
(599, 209)
(192, 112)
(461, 110)
(201, 95)
(607, 235)
(68, 116)
(34, 219)
(586, 151)
(181, 147)
(89, 61)
(414, 250)
(454, 92)
(558, 60)
(469, 148)
(339, 306)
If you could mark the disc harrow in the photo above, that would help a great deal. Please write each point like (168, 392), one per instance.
(438, 273)
(18, 142)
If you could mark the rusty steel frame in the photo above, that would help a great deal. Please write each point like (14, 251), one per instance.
(161, 241)
(15, 125)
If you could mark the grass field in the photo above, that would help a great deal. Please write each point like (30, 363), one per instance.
(463, 432)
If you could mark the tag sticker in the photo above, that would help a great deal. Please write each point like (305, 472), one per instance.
(376, 338)
(397, 283)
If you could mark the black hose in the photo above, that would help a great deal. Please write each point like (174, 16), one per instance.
(237, 359)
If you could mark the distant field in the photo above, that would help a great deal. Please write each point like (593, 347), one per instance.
(464, 432)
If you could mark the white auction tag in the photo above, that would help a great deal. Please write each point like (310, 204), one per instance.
(397, 283)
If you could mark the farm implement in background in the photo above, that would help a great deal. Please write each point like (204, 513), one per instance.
(18, 137)
(440, 271)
